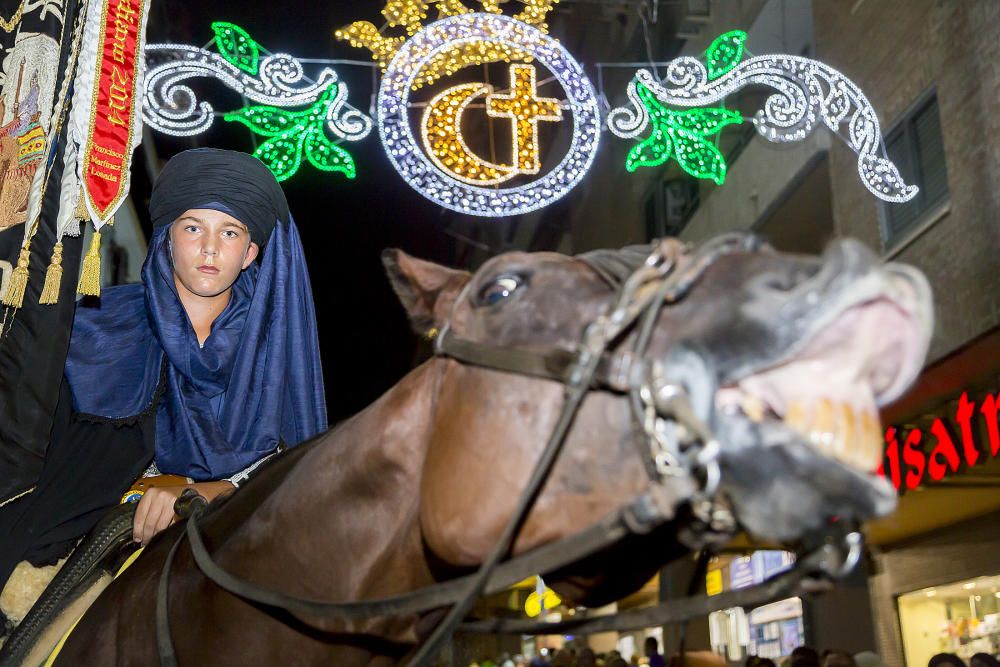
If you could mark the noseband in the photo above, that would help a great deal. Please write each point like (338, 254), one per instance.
(677, 447)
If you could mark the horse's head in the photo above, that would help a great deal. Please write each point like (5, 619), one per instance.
(784, 358)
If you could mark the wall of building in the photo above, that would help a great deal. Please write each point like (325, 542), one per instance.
(610, 209)
(675, 581)
(840, 618)
(764, 174)
(755, 186)
(895, 50)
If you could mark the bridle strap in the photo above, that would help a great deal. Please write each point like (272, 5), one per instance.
(190, 504)
(621, 371)
(681, 610)
(618, 372)
(644, 513)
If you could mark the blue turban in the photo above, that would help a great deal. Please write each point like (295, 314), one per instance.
(258, 379)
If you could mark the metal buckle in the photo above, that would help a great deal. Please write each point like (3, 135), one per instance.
(837, 560)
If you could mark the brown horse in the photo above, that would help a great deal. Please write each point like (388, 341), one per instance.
(785, 357)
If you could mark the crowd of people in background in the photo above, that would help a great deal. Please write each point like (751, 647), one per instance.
(583, 657)
(803, 656)
(952, 660)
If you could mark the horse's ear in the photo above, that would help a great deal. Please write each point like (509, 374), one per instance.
(426, 290)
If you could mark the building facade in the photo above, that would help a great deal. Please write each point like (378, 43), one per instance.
(929, 68)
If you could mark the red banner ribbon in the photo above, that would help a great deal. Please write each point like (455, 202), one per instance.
(113, 106)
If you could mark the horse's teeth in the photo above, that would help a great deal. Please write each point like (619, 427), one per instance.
(845, 440)
(753, 408)
(871, 436)
(796, 416)
(839, 431)
(823, 425)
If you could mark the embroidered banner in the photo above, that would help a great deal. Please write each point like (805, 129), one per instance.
(28, 70)
(35, 67)
(113, 112)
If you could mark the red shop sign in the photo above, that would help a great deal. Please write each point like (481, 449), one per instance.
(946, 447)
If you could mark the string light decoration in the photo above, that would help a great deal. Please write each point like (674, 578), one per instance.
(724, 53)
(411, 14)
(236, 46)
(445, 145)
(682, 133)
(440, 185)
(807, 91)
(273, 81)
(293, 133)
(442, 128)
(525, 110)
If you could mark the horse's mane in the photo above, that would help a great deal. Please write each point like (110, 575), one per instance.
(614, 266)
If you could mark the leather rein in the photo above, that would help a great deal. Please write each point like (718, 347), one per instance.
(683, 469)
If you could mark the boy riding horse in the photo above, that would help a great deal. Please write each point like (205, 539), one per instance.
(201, 372)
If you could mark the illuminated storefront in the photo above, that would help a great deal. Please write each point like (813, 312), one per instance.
(935, 571)
(770, 631)
(962, 617)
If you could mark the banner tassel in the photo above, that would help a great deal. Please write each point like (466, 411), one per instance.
(90, 276)
(53, 277)
(18, 279)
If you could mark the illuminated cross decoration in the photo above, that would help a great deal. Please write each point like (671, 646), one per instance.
(525, 110)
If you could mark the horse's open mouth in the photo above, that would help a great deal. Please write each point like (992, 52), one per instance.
(828, 391)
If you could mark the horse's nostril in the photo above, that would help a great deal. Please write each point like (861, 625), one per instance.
(779, 282)
(788, 279)
(806, 272)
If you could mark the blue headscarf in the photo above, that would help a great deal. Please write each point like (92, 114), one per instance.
(256, 381)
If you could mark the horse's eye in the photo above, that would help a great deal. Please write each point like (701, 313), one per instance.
(498, 290)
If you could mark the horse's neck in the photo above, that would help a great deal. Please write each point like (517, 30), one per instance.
(343, 524)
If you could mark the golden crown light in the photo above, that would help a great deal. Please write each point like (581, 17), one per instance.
(411, 14)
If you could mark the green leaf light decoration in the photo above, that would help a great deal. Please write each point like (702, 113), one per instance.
(682, 134)
(725, 52)
(292, 134)
(236, 46)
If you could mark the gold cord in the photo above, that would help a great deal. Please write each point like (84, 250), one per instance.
(8, 25)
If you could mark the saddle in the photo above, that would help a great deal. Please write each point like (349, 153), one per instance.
(87, 570)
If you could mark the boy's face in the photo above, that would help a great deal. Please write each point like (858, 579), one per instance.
(209, 249)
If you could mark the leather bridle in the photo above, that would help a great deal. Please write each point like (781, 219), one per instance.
(682, 462)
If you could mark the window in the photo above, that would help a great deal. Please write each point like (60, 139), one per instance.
(962, 617)
(915, 146)
(670, 207)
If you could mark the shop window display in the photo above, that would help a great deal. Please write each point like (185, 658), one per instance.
(771, 631)
(961, 617)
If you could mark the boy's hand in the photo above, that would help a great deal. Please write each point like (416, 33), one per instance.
(156, 507)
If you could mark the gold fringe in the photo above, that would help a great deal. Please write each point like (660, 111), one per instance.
(18, 279)
(81, 212)
(53, 277)
(90, 276)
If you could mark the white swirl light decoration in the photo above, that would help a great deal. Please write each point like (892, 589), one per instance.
(417, 169)
(807, 90)
(171, 107)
